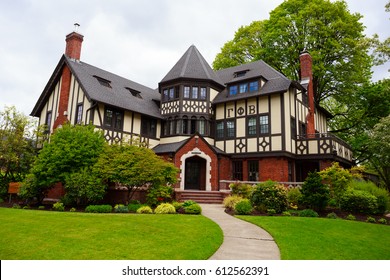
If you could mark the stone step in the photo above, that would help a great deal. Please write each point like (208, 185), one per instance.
(210, 197)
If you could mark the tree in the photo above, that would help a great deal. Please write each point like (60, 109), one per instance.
(379, 147)
(133, 167)
(17, 146)
(333, 36)
(315, 194)
(71, 148)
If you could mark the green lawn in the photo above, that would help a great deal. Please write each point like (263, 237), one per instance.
(302, 238)
(49, 235)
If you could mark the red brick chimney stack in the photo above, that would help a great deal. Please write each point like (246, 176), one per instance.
(307, 74)
(74, 41)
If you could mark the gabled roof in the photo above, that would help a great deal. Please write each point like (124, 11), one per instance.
(192, 65)
(274, 80)
(119, 94)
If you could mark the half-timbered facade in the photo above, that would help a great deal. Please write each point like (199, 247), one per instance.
(248, 123)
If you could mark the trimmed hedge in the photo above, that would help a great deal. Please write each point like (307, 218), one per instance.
(194, 209)
(359, 202)
(105, 208)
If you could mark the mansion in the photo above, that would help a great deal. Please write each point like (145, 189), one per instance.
(247, 123)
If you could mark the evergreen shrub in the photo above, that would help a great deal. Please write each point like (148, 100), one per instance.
(105, 208)
(243, 207)
(120, 208)
(315, 194)
(144, 210)
(308, 213)
(58, 206)
(241, 189)
(269, 195)
(165, 208)
(230, 201)
(359, 202)
(194, 209)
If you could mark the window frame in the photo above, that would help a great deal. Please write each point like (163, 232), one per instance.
(113, 124)
(261, 125)
(148, 127)
(79, 113)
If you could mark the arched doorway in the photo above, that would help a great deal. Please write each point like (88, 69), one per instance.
(195, 173)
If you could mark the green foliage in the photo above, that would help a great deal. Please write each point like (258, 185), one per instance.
(104, 208)
(315, 195)
(241, 189)
(351, 217)
(26, 207)
(159, 194)
(83, 187)
(177, 205)
(381, 194)
(144, 210)
(165, 208)
(243, 207)
(58, 206)
(337, 179)
(230, 201)
(72, 209)
(269, 195)
(133, 207)
(286, 213)
(133, 167)
(382, 221)
(371, 220)
(16, 206)
(294, 195)
(271, 212)
(188, 203)
(194, 209)
(359, 202)
(41, 207)
(120, 208)
(332, 216)
(308, 213)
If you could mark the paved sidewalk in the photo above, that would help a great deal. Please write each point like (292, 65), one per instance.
(242, 240)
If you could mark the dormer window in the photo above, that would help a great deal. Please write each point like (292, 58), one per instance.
(239, 74)
(134, 92)
(103, 81)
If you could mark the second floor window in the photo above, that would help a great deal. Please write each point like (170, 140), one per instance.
(264, 124)
(252, 126)
(148, 127)
(113, 119)
(79, 114)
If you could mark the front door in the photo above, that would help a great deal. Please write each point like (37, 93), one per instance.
(195, 174)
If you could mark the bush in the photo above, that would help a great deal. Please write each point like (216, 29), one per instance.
(351, 217)
(159, 194)
(241, 189)
(308, 213)
(120, 208)
(41, 207)
(105, 208)
(188, 203)
(58, 206)
(271, 212)
(269, 195)
(371, 220)
(286, 213)
(359, 202)
(165, 208)
(177, 205)
(315, 195)
(72, 209)
(332, 216)
(293, 196)
(230, 201)
(382, 195)
(133, 207)
(26, 207)
(382, 221)
(144, 210)
(16, 206)
(337, 178)
(193, 209)
(243, 207)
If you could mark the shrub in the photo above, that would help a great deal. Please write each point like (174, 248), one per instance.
(269, 195)
(120, 208)
(230, 201)
(16, 206)
(308, 213)
(177, 205)
(351, 217)
(159, 194)
(359, 201)
(371, 220)
(243, 207)
(58, 206)
(165, 208)
(293, 196)
(382, 221)
(72, 209)
(271, 212)
(241, 189)
(26, 207)
(332, 216)
(188, 203)
(286, 213)
(133, 207)
(41, 207)
(382, 195)
(145, 210)
(337, 178)
(315, 195)
(105, 208)
(193, 209)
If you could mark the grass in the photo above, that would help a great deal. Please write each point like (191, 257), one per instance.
(301, 238)
(49, 235)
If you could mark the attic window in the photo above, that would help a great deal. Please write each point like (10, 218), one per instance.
(103, 82)
(134, 92)
(239, 74)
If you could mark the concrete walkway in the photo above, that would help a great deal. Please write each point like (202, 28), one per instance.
(242, 240)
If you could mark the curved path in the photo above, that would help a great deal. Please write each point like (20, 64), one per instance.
(242, 240)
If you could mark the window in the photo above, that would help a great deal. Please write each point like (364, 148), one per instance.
(193, 125)
(230, 129)
(185, 125)
(178, 125)
(302, 129)
(177, 92)
(243, 88)
(194, 93)
(165, 96)
(203, 93)
(290, 171)
(253, 86)
(134, 92)
(252, 126)
(253, 170)
(239, 74)
(233, 90)
(293, 128)
(171, 93)
(202, 126)
(171, 126)
(237, 170)
(264, 125)
(113, 119)
(48, 122)
(148, 127)
(220, 130)
(103, 82)
(186, 92)
(79, 114)
(304, 98)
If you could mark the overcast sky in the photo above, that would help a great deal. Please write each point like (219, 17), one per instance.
(137, 39)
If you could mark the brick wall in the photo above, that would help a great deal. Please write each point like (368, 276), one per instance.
(274, 168)
(64, 97)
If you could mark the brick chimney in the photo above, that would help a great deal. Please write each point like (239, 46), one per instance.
(74, 41)
(307, 74)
